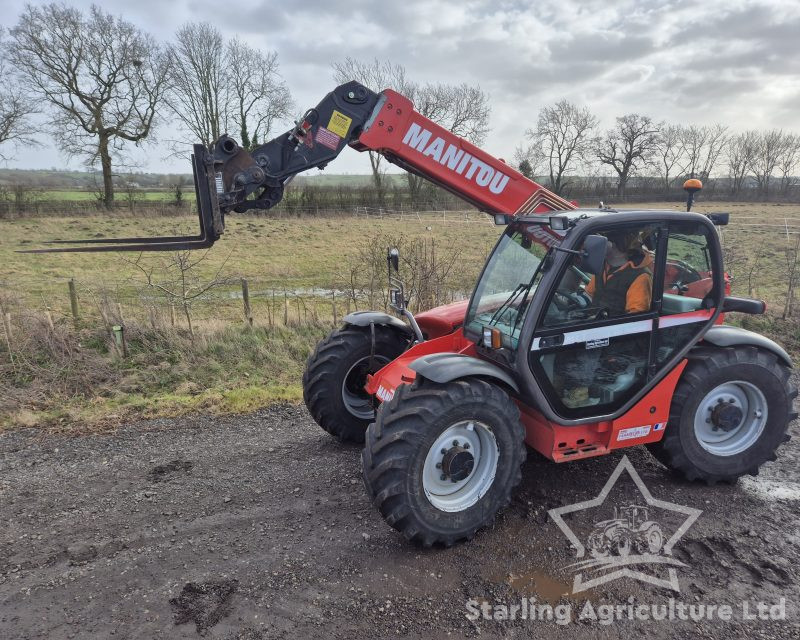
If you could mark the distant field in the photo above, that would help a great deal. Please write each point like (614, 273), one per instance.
(78, 195)
(292, 253)
(311, 252)
(81, 193)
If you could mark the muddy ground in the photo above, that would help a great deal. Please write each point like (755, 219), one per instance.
(257, 526)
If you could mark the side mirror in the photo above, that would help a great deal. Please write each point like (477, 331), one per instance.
(393, 258)
(594, 254)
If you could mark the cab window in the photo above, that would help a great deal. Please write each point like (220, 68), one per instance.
(592, 347)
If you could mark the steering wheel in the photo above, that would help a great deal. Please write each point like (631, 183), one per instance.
(686, 276)
(570, 300)
(588, 313)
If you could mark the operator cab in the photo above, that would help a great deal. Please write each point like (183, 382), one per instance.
(589, 335)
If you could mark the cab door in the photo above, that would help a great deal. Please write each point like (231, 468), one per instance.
(591, 360)
(591, 351)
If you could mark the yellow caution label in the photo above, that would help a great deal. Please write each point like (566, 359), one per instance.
(339, 124)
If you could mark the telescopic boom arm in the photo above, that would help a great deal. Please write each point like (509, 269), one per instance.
(229, 178)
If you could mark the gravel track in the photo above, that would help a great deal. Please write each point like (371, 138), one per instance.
(257, 526)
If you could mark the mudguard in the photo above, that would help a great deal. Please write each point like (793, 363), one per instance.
(723, 335)
(446, 367)
(366, 318)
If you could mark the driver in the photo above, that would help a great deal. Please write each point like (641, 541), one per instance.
(626, 284)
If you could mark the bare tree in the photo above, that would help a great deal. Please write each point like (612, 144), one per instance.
(103, 78)
(716, 140)
(741, 149)
(788, 159)
(528, 160)
(220, 87)
(765, 158)
(669, 153)
(564, 135)
(703, 146)
(628, 146)
(177, 277)
(258, 95)
(16, 108)
(198, 96)
(694, 141)
(376, 75)
(790, 276)
(462, 109)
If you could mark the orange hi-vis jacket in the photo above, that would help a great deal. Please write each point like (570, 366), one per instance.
(626, 289)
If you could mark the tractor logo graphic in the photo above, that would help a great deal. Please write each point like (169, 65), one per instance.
(632, 543)
(630, 530)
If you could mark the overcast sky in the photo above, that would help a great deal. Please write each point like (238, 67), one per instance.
(691, 62)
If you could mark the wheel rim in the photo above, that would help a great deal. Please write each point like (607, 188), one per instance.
(450, 481)
(356, 400)
(654, 541)
(730, 418)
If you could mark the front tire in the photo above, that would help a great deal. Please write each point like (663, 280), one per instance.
(442, 459)
(729, 414)
(335, 375)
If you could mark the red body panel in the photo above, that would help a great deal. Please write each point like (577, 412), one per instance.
(561, 443)
(442, 320)
(555, 441)
(413, 141)
(383, 382)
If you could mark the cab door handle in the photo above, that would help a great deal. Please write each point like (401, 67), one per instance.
(551, 341)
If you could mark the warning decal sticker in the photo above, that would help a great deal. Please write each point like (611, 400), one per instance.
(327, 138)
(339, 124)
(633, 432)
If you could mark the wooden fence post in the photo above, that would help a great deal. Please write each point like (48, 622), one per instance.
(272, 309)
(333, 306)
(73, 300)
(7, 331)
(248, 315)
(285, 309)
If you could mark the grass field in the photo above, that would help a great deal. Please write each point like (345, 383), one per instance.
(77, 195)
(295, 253)
(164, 194)
(227, 367)
(314, 252)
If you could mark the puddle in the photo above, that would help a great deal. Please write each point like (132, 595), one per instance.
(772, 490)
(535, 583)
(546, 587)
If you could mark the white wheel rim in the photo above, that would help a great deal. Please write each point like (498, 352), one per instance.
(745, 397)
(446, 495)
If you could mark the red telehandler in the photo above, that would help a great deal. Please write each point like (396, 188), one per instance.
(589, 330)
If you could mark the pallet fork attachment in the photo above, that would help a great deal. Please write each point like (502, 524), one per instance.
(212, 221)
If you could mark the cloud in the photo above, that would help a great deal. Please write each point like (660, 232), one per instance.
(735, 61)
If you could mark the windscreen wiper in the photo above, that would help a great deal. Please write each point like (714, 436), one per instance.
(508, 302)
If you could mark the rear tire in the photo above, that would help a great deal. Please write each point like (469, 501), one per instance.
(335, 375)
(442, 459)
(706, 441)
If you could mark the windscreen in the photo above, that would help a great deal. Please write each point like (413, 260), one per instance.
(509, 281)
